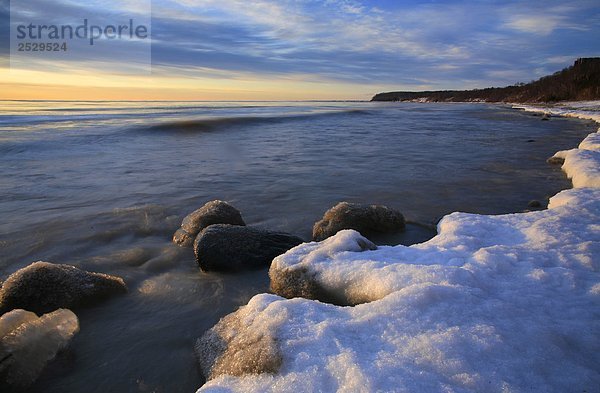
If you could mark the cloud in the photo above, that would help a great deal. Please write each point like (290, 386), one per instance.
(535, 24)
(402, 44)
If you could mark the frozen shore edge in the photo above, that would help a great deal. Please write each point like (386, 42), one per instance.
(492, 303)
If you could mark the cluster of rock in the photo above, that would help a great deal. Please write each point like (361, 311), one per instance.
(223, 242)
(28, 342)
(225, 348)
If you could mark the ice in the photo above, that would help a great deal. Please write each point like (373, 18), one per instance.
(28, 342)
(506, 303)
(12, 320)
(242, 343)
(582, 166)
(591, 142)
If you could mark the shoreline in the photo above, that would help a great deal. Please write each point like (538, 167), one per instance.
(483, 268)
(162, 273)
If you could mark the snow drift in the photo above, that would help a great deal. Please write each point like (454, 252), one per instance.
(506, 303)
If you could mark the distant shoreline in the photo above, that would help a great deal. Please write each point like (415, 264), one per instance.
(580, 82)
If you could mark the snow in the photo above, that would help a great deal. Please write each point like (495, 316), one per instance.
(506, 303)
(582, 165)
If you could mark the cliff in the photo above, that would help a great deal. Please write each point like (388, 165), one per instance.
(579, 82)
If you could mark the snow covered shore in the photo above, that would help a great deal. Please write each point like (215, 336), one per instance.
(507, 303)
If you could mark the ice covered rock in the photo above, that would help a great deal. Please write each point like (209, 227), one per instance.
(291, 275)
(366, 219)
(240, 344)
(554, 160)
(13, 319)
(213, 212)
(28, 343)
(44, 286)
(224, 247)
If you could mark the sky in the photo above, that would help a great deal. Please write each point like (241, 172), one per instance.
(298, 50)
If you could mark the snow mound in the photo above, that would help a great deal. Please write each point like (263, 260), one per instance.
(506, 303)
(28, 342)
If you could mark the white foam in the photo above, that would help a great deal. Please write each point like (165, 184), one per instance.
(506, 303)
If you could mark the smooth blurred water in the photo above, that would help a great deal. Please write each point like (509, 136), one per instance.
(104, 185)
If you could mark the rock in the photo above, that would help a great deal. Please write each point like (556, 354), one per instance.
(555, 160)
(213, 212)
(223, 247)
(183, 238)
(237, 345)
(42, 287)
(362, 218)
(534, 203)
(292, 277)
(29, 342)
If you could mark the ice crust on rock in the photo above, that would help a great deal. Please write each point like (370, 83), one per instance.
(506, 303)
(213, 212)
(367, 219)
(241, 343)
(293, 275)
(223, 247)
(27, 343)
(42, 287)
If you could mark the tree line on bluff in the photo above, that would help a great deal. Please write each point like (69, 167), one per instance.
(579, 82)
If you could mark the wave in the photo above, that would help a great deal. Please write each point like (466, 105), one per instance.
(211, 124)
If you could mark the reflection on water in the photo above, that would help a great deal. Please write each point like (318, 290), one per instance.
(104, 185)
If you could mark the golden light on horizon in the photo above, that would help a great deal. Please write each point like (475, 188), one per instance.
(76, 84)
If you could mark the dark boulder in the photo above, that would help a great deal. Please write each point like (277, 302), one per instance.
(366, 219)
(213, 212)
(43, 287)
(224, 247)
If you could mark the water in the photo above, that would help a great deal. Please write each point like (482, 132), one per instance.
(104, 185)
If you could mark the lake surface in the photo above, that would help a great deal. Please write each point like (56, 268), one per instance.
(103, 186)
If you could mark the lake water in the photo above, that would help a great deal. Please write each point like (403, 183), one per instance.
(103, 186)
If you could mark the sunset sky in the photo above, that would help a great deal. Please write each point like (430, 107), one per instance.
(294, 50)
